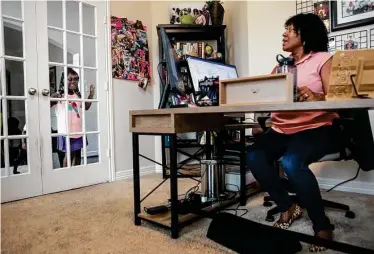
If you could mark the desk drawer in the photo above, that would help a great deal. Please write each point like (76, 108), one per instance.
(275, 88)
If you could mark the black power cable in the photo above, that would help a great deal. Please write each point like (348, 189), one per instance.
(346, 181)
(237, 207)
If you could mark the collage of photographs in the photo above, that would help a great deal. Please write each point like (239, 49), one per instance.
(130, 54)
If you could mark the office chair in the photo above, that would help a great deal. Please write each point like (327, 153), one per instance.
(344, 153)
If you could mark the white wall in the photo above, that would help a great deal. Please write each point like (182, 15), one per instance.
(264, 42)
(128, 96)
(265, 28)
(237, 39)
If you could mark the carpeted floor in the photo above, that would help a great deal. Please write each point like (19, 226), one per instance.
(99, 219)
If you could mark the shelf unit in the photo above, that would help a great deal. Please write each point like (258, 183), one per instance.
(190, 33)
(193, 33)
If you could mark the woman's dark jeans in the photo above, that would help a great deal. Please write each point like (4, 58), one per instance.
(296, 152)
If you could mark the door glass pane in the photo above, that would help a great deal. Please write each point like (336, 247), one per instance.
(14, 78)
(1, 117)
(88, 19)
(2, 141)
(73, 49)
(58, 117)
(89, 52)
(91, 116)
(13, 38)
(4, 157)
(90, 83)
(18, 156)
(60, 158)
(12, 8)
(16, 117)
(55, 46)
(55, 13)
(72, 16)
(13, 149)
(75, 118)
(73, 83)
(76, 148)
(55, 74)
(59, 129)
(93, 148)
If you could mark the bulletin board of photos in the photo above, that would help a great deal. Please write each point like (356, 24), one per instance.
(360, 39)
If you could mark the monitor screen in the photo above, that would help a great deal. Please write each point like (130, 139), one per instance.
(172, 62)
(201, 68)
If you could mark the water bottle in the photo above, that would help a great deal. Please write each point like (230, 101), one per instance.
(287, 65)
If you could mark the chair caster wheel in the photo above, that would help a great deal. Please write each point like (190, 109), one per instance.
(267, 204)
(269, 218)
(350, 214)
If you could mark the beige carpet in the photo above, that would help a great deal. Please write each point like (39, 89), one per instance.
(99, 219)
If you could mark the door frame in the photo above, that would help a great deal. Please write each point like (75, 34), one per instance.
(110, 92)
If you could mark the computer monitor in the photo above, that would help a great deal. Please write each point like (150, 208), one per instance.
(174, 79)
(200, 68)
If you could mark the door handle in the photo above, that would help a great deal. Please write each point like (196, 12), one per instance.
(45, 92)
(32, 91)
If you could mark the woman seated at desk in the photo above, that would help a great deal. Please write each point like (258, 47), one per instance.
(299, 138)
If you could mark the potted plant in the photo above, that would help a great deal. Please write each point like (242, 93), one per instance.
(216, 11)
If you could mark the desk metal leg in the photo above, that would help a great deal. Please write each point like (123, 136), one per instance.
(136, 178)
(163, 157)
(174, 187)
(243, 200)
(208, 146)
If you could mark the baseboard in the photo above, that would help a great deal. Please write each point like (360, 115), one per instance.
(158, 169)
(354, 186)
(92, 153)
(126, 174)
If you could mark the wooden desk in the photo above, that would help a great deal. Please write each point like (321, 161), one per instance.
(169, 122)
(181, 120)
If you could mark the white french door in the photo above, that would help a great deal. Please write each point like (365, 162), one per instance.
(74, 34)
(20, 169)
(69, 48)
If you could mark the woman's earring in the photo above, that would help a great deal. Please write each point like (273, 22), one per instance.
(304, 43)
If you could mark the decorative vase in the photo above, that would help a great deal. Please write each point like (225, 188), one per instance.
(187, 20)
(216, 13)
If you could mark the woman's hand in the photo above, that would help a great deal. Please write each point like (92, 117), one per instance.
(305, 94)
(56, 95)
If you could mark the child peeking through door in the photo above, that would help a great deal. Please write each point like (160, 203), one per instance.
(74, 117)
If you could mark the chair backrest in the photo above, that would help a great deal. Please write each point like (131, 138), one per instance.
(261, 118)
(358, 137)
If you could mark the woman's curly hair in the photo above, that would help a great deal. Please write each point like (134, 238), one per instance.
(312, 31)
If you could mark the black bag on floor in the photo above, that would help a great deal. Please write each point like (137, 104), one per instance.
(245, 236)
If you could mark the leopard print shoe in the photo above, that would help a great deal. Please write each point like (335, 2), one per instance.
(315, 248)
(295, 215)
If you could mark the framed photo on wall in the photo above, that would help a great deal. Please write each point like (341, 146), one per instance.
(349, 14)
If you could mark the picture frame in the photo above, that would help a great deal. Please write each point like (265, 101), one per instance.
(349, 14)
